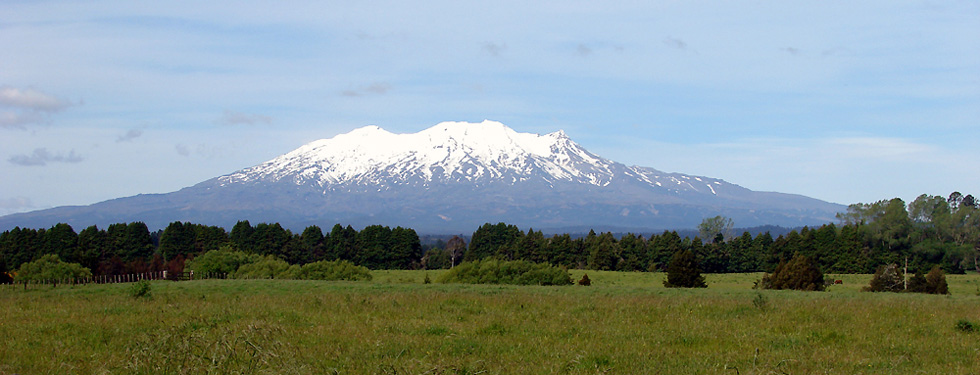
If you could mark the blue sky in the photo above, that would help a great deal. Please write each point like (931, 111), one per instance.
(842, 101)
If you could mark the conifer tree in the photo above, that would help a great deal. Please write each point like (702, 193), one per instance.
(683, 271)
(936, 281)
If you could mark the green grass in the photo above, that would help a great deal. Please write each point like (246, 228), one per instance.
(625, 323)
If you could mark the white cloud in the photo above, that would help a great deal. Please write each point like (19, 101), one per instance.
(31, 99)
(27, 106)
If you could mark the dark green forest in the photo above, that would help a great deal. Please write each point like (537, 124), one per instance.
(932, 230)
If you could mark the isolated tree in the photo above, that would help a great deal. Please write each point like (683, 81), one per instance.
(800, 273)
(683, 271)
(936, 281)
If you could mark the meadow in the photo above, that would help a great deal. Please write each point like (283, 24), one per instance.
(625, 323)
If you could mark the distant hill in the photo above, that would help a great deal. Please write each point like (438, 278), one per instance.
(450, 178)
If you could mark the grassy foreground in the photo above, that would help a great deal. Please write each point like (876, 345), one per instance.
(626, 323)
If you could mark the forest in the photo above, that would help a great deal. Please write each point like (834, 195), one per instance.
(931, 230)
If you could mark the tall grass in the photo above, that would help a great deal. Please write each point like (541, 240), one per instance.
(624, 323)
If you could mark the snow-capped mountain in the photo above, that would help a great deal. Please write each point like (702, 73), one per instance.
(450, 178)
(450, 152)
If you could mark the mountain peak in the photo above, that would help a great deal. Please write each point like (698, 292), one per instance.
(449, 151)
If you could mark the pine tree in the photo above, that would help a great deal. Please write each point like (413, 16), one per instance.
(936, 281)
(683, 271)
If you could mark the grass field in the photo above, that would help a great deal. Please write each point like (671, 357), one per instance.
(625, 323)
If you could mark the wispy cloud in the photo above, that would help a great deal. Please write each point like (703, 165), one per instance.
(41, 157)
(241, 118)
(130, 135)
(182, 150)
(494, 49)
(791, 50)
(675, 42)
(27, 106)
(583, 50)
(377, 88)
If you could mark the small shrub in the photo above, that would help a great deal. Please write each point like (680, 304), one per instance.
(140, 289)
(967, 326)
(518, 272)
(427, 280)
(585, 281)
(760, 302)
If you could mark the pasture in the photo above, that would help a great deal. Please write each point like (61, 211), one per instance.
(625, 323)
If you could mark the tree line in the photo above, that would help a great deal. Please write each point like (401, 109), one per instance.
(929, 231)
(132, 248)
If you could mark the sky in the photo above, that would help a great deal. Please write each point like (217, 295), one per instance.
(842, 101)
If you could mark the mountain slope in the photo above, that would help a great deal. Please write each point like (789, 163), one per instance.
(449, 179)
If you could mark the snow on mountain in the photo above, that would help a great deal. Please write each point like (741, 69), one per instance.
(452, 152)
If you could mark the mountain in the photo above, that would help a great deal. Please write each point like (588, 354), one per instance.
(450, 178)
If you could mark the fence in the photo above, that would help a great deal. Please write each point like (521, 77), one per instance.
(127, 278)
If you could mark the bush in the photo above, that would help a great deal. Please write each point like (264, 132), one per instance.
(683, 271)
(50, 268)
(268, 267)
(800, 273)
(140, 289)
(223, 260)
(966, 326)
(518, 272)
(332, 270)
